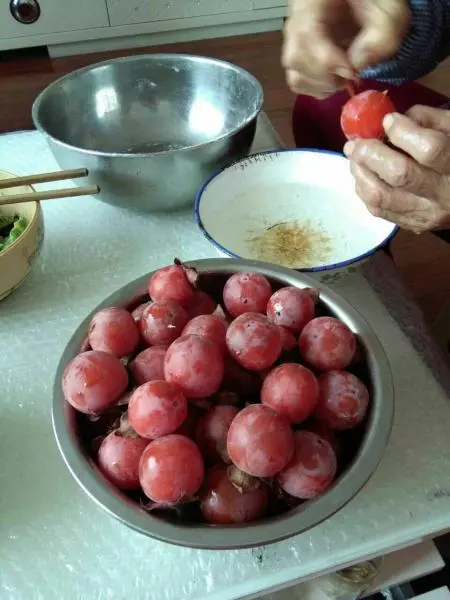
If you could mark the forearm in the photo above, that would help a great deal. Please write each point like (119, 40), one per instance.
(426, 45)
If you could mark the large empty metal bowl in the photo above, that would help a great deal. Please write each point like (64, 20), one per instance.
(150, 128)
(370, 444)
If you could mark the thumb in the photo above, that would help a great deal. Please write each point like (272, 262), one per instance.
(332, 60)
(310, 49)
(384, 25)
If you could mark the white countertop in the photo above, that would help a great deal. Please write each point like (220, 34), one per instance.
(56, 544)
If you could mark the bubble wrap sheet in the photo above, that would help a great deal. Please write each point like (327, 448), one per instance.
(56, 544)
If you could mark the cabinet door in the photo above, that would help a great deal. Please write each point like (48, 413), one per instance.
(56, 16)
(270, 3)
(122, 12)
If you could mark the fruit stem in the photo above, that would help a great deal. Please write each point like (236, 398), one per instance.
(351, 88)
(243, 482)
(125, 429)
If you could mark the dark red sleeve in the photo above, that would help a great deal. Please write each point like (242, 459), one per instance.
(316, 123)
(444, 235)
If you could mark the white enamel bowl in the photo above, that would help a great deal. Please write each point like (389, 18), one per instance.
(295, 208)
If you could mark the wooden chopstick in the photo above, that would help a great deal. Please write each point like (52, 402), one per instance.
(42, 178)
(50, 195)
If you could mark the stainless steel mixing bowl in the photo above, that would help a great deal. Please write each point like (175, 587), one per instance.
(298, 520)
(150, 128)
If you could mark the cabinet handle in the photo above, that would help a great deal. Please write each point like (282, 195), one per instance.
(25, 11)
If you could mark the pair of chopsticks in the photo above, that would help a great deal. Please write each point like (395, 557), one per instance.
(13, 182)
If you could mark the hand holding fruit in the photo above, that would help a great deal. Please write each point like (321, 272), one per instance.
(409, 183)
(328, 41)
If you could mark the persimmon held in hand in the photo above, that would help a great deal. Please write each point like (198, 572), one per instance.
(362, 116)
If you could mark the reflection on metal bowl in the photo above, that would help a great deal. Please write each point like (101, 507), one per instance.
(150, 128)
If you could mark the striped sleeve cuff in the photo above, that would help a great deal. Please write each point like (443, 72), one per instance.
(445, 48)
(425, 46)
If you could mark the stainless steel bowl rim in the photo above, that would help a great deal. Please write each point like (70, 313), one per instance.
(251, 534)
(161, 56)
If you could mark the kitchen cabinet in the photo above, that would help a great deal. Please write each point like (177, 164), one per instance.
(79, 26)
(270, 3)
(55, 16)
(398, 568)
(138, 11)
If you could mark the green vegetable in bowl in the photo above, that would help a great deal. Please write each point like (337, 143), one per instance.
(11, 227)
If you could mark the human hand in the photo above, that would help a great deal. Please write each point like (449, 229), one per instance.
(327, 41)
(410, 183)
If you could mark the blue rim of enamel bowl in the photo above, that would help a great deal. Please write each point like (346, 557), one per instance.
(328, 267)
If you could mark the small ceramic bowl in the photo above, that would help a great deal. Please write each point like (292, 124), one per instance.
(17, 259)
(295, 208)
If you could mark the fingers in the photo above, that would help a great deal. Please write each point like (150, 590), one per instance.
(313, 57)
(394, 169)
(402, 221)
(315, 63)
(384, 24)
(300, 84)
(429, 147)
(410, 212)
(431, 118)
(322, 46)
(377, 194)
